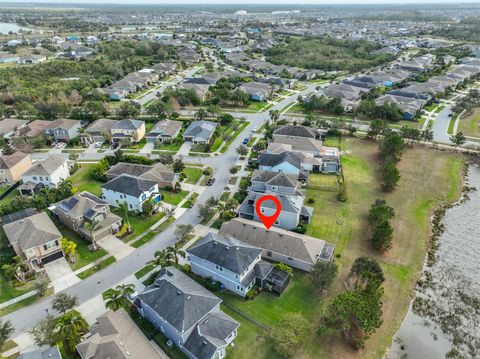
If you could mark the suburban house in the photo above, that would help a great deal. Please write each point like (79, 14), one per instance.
(278, 245)
(164, 131)
(158, 172)
(33, 236)
(13, 166)
(188, 314)
(296, 131)
(285, 161)
(349, 94)
(32, 59)
(200, 132)
(63, 130)
(197, 84)
(128, 130)
(164, 68)
(258, 91)
(132, 190)
(236, 265)
(33, 129)
(46, 173)
(87, 215)
(6, 57)
(115, 335)
(98, 131)
(9, 126)
(299, 144)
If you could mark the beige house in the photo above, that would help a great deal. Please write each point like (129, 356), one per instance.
(83, 210)
(128, 131)
(115, 335)
(13, 166)
(33, 236)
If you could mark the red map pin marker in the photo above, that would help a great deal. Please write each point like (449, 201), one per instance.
(268, 221)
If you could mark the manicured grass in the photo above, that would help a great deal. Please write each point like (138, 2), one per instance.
(9, 344)
(83, 182)
(439, 108)
(143, 271)
(470, 125)
(174, 146)
(193, 174)
(269, 308)
(173, 198)
(431, 107)
(150, 235)
(103, 264)
(451, 124)
(235, 135)
(139, 224)
(9, 197)
(84, 255)
(190, 201)
(24, 303)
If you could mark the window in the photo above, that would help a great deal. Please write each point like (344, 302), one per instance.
(40, 178)
(274, 188)
(34, 178)
(131, 207)
(269, 254)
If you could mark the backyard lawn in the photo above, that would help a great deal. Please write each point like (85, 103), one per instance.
(193, 174)
(83, 182)
(428, 178)
(470, 125)
(173, 198)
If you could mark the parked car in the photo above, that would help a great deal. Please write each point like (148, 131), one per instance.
(114, 145)
(245, 141)
(59, 145)
(450, 114)
(254, 129)
(97, 145)
(210, 181)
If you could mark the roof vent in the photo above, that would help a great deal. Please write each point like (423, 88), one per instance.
(179, 292)
(227, 247)
(188, 298)
(121, 343)
(204, 342)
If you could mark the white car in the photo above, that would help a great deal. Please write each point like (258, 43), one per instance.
(97, 145)
(59, 145)
(254, 129)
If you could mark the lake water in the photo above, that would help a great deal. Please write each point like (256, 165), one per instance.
(6, 27)
(444, 316)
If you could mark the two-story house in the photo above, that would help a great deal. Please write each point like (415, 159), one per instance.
(46, 173)
(13, 166)
(188, 314)
(33, 236)
(132, 190)
(87, 215)
(286, 188)
(279, 245)
(128, 131)
(158, 172)
(236, 265)
(99, 131)
(63, 130)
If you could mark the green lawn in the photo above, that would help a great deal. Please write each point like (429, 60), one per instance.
(84, 255)
(83, 182)
(103, 264)
(193, 174)
(174, 146)
(150, 235)
(9, 197)
(451, 124)
(143, 271)
(235, 135)
(190, 201)
(173, 198)
(24, 303)
(139, 224)
(470, 125)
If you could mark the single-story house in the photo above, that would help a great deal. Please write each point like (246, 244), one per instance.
(200, 132)
(164, 131)
(258, 91)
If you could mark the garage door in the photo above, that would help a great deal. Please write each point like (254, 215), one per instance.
(52, 257)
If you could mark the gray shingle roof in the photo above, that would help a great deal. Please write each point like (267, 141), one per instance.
(9, 161)
(32, 231)
(226, 252)
(178, 299)
(127, 124)
(49, 353)
(133, 186)
(267, 159)
(297, 131)
(275, 178)
(202, 129)
(46, 167)
(158, 172)
(287, 243)
(300, 143)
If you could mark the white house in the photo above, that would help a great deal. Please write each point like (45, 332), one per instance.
(130, 189)
(46, 173)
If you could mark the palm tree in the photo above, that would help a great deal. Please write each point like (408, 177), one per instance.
(92, 226)
(125, 289)
(6, 329)
(113, 299)
(161, 259)
(71, 327)
(174, 252)
(124, 208)
(16, 269)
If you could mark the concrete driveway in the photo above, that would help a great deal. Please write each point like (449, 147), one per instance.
(147, 149)
(60, 274)
(184, 149)
(115, 247)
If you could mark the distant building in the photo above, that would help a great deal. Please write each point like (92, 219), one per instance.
(13, 166)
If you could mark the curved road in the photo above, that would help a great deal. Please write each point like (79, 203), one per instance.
(25, 318)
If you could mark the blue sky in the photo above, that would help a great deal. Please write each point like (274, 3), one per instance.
(270, 2)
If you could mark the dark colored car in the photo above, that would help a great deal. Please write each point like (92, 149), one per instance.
(245, 141)
(210, 181)
(450, 114)
(115, 145)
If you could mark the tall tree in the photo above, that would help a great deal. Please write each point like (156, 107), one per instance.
(323, 274)
(382, 236)
(458, 139)
(290, 334)
(64, 302)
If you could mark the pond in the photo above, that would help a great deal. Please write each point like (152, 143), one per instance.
(444, 316)
(6, 27)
